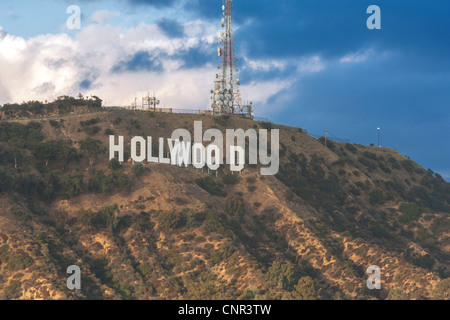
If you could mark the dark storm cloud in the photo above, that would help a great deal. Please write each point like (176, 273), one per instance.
(140, 61)
(192, 58)
(196, 57)
(353, 100)
(171, 28)
(332, 27)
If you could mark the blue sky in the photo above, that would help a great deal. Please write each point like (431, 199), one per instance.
(307, 63)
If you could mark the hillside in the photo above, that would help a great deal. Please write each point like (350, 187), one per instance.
(161, 232)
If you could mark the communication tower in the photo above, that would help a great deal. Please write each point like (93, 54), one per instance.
(226, 96)
(150, 102)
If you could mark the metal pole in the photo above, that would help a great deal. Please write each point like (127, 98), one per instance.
(379, 137)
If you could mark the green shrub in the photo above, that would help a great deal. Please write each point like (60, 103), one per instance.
(281, 274)
(213, 224)
(370, 155)
(384, 168)
(230, 179)
(89, 128)
(195, 219)
(4, 253)
(224, 251)
(108, 217)
(86, 218)
(306, 290)
(369, 164)
(208, 184)
(330, 144)
(100, 182)
(114, 164)
(90, 122)
(376, 197)
(138, 169)
(235, 206)
(74, 183)
(350, 147)
(13, 290)
(408, 165)
(19, 262)
(122, 181)
(410, 212)
(92, 147)
(145, 269)
(92, 130)
(54, 124)
(136, 124)
(397, 294)
(266, 125)
(55, 150)
(20, 214)
(172, 220)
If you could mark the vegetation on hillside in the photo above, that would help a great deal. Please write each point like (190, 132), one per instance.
(148, 231)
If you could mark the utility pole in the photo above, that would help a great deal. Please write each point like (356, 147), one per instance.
(379, 137)
(326, 134)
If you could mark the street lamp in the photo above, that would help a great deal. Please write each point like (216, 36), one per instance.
(379, 137)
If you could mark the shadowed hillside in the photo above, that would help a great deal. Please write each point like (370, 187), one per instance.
(156, 231)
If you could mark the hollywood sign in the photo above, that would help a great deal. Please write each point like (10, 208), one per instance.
(185, 151)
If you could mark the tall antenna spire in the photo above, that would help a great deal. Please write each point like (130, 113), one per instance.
(226, 96)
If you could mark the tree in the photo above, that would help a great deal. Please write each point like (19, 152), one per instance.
(281, 274)
(235, 206)
(172, 220)
(93, 148)
(50, 185)
(108, 215)
(224, 251)
(100, 182)
(74, 183)
(306, 290)
(122, 181)
(410, 212)
(230, 179)
(376, 197)
(138, 169)
(86, 218)
(97, 102)
(114, 164)
(55, 150)
(208, 184)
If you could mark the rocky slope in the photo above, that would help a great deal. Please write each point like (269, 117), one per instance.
(163, 232)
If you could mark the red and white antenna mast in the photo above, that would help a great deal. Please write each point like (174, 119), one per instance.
(226, 96)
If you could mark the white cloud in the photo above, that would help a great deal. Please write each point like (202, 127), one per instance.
(311, 64)
(51, 65)
(103, 15)
(356, 57)
(260, 92)
(265, 65)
